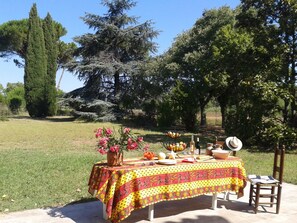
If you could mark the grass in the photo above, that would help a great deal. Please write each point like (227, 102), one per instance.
(46, 163)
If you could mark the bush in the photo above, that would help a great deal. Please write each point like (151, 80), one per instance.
(4, 112)
(92, 110)
(274, 131)
(166, 116)
(15, 104)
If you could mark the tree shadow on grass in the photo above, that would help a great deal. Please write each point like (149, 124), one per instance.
(49, 119)
(60, 119)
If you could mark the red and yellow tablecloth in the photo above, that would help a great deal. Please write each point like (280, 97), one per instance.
(126, 188)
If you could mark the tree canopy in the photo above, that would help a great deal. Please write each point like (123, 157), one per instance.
(243, 58)
(14, 39)
(107, 58)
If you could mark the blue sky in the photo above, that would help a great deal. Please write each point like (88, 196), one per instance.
(170, 17)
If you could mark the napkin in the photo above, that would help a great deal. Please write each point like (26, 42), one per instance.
(189, 160)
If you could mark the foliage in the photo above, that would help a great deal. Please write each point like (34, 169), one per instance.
(50, 40)
(279, 17)
(14, 39)
(91, 110)
(256, 102)
(255, 79)
(166, 116)
(4, 112)
(189, 61)
(2, 99)
(150, 109)
(15, 104)
(15, 92)
(185, 104)
(151, 94)
(276, 131)
(109, 141)
(106, 60)
(35, 67)
(65, 55)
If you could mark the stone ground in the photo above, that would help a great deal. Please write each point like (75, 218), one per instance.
(194, 210)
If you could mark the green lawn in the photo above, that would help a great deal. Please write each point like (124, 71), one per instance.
(47, 162)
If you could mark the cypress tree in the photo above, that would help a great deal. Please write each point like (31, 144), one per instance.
(35, 67)
(52, 54)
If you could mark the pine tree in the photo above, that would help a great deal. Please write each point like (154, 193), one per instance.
(35, 67)
(52, 54)
(109, 57)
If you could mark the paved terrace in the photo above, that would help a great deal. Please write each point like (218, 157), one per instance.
(194, 210)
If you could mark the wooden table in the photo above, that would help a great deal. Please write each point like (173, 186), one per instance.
(140, 183)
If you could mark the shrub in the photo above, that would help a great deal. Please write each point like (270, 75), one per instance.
(4, 112)
(15, 104)
(275, 131)
(166, 116)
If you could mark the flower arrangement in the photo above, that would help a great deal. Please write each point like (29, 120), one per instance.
(109, 140)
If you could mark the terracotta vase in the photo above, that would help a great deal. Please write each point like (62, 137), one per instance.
(114, 158)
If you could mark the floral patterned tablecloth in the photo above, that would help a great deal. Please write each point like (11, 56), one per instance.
(139, 184)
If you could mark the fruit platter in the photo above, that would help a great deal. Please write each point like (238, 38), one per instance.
(175, 147)
(173, 135)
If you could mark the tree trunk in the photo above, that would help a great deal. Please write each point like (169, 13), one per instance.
(60, 79)
(292, 84)
(222, 100)
(223, 113)
(203, 116)
(116, 83)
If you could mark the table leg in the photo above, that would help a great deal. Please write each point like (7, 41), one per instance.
(151, 212)
(214, 201)
(226, 195)
(104, 215)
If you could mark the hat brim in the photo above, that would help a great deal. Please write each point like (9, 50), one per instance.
(232, 148)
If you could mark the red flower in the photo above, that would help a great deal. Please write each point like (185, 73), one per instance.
(127, 130)
(114, 148)
(99, 132)
(103, 142)
(132, 145)
(146, 147)
(102, 151)
(124, 140)
(108, 131)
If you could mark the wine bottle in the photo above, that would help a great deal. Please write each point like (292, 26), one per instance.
(192, 145)
(198, 145)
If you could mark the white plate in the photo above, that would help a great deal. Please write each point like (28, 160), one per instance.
(167, 162)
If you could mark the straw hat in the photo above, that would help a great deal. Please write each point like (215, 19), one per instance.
(233, 143)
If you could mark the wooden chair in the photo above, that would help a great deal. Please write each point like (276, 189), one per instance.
(219, 142)
(260, 184)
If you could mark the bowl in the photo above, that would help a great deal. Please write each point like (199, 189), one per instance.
(175, 147)
(220, 154)
(173, 135)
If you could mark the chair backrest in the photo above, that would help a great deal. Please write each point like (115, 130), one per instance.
(219, 142)
(278, 164)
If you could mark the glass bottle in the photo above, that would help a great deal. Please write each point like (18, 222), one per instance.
(192, 145)
(198, 148)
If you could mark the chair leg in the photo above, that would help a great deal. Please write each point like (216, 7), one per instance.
(251, 194)
(257, 198)
(272, 198)
(279, 193)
